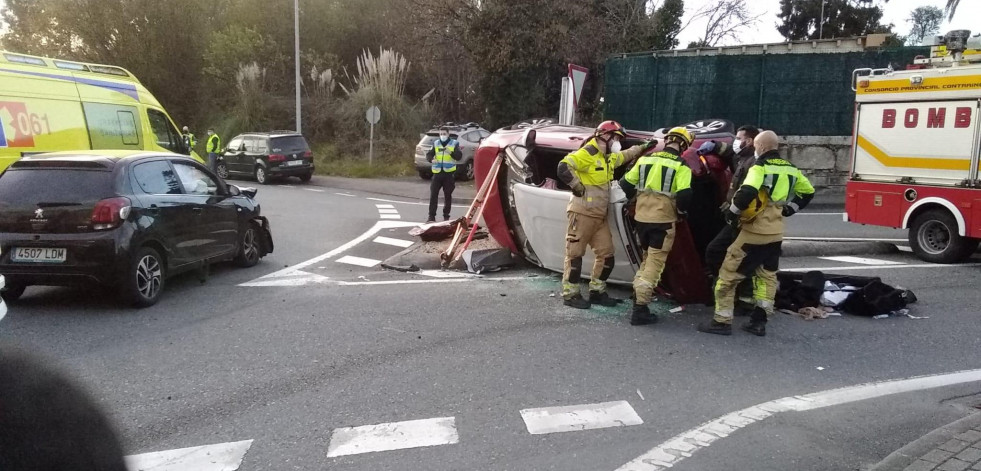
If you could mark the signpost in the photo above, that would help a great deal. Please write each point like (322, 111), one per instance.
(572, 86)
(372, 115)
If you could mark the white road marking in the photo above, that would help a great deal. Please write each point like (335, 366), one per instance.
(444, 274)
(384, 206)
(293, 278)
(878, 267)
(581, 417)
(345, 194)
(359, 261)
(220, 457)
(861, 260)
(846, 239)
(295, 270)
(429, 281)
(387, 211)
(414, 203)
(396, 242)
(390, 216)
(684, 445)
(393, 436)
(314, 190)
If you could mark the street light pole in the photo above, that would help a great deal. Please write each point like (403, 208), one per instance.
(820, 23)
(296, 34)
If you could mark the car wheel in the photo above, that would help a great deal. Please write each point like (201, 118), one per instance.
(306, 177)
(934, 238)
(12, 292)
(145, 280)
(222, 170)
(260, 175)
(249, 247)
(465, 173)
(425, 174)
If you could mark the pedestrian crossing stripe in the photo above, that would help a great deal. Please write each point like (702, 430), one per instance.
(217, 457)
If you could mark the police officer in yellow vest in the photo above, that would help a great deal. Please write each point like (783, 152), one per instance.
(773, 189)
(444, 155)
(189, 140)
(589, 171)
(662, 183)
(213, 147)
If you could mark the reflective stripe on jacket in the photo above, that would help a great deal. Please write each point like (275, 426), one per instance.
(783, 183)
(589, 166)
(443, 159)
(664, 184)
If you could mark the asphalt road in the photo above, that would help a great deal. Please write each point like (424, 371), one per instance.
(319, 340)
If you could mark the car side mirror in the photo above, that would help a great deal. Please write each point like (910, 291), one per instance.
(234, 190)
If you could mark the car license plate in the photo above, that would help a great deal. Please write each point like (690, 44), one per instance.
(294, 163)
(39, 255)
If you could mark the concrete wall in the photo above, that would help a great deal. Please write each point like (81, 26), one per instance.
(825, 160)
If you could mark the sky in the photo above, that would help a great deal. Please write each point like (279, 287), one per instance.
(894, 11)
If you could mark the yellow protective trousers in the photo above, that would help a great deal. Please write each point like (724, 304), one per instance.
(656, 240)
(582, 231)
(751, 255)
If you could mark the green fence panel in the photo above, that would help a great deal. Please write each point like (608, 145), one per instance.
(792, 94)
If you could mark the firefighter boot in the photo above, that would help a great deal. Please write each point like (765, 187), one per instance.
(603, 299)
(714, 327)
(577, 302)
(642, 315)
(757, 323)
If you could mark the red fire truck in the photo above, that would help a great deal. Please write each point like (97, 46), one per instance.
(915, 150)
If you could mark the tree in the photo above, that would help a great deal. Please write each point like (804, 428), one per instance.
(667, 25)
(951, 8)
(723, 20)
(924, 22)
(800, 19)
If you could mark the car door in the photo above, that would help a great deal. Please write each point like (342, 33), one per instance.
(233, 155)
(164, 214)
(217, 227)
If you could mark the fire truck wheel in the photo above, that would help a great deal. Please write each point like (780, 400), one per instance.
(934, 238)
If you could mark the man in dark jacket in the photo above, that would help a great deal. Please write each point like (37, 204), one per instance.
(741, 161)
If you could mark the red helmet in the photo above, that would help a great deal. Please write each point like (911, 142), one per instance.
(610, 127)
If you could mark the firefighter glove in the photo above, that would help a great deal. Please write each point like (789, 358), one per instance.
(789, 210)
(707, 148)
(732, 218)
(578, 189)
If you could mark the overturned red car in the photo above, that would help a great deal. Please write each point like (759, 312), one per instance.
(526, 209)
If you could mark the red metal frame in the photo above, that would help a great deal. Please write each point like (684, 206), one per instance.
(887, 204)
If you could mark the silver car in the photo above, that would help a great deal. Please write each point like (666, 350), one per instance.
(468, 135)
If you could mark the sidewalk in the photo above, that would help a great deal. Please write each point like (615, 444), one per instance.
(953, 447)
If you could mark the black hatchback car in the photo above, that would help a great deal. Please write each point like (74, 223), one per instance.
(267, 155)
(124, 219)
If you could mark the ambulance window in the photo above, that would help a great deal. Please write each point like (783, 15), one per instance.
(25, 60)
(70, 66)
(112, 126)
(166, 135)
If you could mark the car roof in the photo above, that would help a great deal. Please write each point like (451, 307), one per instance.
(108, 158)
(270, 134)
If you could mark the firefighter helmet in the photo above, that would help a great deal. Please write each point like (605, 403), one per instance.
(680, 135)
(610, 127)
(755, 207)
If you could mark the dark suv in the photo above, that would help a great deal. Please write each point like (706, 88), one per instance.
(123, 219)
(266, 155)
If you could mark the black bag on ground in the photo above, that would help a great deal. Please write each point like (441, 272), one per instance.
(877, 298)
(871, 298)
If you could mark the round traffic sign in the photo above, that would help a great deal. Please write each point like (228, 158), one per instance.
(373, 115)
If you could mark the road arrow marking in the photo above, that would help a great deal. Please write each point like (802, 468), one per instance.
(393, 436)
(219, 457)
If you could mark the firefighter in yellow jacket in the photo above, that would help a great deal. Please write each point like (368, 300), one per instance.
(589, 171)
(662, 183)
(773, 189)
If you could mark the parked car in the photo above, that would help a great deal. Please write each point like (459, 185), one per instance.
(468, 135)
(526, 210)
(267, 155)
(124, 219)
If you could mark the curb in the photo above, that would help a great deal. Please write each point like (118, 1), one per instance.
(906, 455)
(807, 248)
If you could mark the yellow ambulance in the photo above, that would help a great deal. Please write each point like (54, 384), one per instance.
(52, 105)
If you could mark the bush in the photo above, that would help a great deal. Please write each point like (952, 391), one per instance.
(392, 158)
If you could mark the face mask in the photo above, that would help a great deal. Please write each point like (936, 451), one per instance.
(615, 147)
(737, 145)
(444, 137)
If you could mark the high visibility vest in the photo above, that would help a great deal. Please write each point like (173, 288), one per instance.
(443, 160)
(778, 182)
(662, 172)
(595, 171)
(190, 141)
(214, 144)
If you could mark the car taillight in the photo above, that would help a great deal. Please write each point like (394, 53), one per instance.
(308, 155)
(110, 213)
(277, 157)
